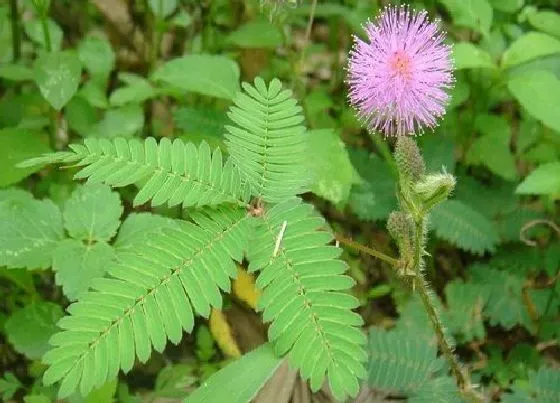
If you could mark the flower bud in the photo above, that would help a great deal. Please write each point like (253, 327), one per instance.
(400, 228)
(434, 189)
(409, 160)
(398, 225)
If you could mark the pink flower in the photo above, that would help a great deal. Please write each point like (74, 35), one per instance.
(398, 79)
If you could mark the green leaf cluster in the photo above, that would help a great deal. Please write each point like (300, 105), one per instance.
(166, 271)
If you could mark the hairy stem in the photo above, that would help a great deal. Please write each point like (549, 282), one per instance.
(418, 247)
(425, 292)
(372, 252)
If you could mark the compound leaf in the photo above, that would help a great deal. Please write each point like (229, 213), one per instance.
(267, 142)
(399, 361)
(437, 390)
(457, 223)
(546, 382)
(304, 296)
(464, 310)
(505, 299)
(171, 172)
(149, 297)
(137, 227)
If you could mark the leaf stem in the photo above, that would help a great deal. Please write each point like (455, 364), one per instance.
(372, 252)
(46, 33)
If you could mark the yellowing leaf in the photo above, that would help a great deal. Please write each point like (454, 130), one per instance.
(245, 289)
(222, 334)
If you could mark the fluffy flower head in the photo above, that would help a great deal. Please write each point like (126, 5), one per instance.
(400, 76)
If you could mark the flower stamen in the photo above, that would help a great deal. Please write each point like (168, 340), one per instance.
(400, 63)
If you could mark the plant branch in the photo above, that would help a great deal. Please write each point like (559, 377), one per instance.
(372, 252)
(16, 37)
(523, 232)
(308, 30)
(53, 114)
(153, 25)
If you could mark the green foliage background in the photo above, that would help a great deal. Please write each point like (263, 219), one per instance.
(170, 69)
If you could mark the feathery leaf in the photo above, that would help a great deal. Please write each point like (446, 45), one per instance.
(149, 297)
(304, 296)
(399, 362)
(267, 142)
(171, 172)
(457, 223)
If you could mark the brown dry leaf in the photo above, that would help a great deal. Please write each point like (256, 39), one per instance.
(121, 22)
(279, 388)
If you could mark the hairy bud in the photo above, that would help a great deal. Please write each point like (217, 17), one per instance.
(400, 228)
(398, 225)
(434, 189)
(409, 160)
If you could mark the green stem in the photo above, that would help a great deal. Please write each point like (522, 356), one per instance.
(372, 252)
(46, 33)
(385, 152)
(16, 37)
(157, 36)
(53, 113)
(308, 31)
(423, 289)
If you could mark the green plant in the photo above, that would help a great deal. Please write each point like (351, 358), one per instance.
(122, 80)
(247, 206)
